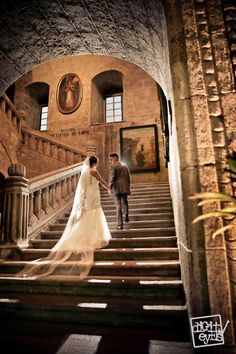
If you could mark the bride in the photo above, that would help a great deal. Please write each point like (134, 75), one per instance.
(86, 230)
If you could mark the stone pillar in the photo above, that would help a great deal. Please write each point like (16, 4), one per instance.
(15, 212)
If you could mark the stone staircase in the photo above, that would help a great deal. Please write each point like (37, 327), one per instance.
(135, 281)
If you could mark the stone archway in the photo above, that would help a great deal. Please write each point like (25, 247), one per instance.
(157, 37)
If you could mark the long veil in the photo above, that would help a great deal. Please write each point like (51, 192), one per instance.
(70, 257)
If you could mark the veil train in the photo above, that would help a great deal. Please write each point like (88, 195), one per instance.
(85, 231)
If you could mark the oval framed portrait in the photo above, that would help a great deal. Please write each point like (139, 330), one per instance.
(69, 93)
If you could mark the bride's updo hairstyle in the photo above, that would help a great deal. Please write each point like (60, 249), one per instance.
(92, 160)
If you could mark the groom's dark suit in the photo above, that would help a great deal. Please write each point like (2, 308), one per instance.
(120, 184)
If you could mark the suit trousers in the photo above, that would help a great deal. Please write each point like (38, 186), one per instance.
(121, 201)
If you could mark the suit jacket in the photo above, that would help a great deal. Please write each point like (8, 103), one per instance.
(119, 179)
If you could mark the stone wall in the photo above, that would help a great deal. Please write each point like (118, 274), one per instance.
(186, 50)
(9, 136)
(78, 129)
(204, 96)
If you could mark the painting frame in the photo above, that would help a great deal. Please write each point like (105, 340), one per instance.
(69, 93)
(139, 148)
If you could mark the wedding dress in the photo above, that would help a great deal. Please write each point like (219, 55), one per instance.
(86, 231)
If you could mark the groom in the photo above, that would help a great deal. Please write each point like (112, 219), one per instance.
(119, 182)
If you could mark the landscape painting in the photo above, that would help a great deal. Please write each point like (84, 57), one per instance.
(139, 148)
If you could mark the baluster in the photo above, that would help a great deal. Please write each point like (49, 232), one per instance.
(68, 158)
(64, 190)
(63, 155)
(40, 145)
(69, 187)
(45, 200)
(32, 142)
(55, 151)
(59, 192)
(52, 196)
(38, 204)
(73, 183)
(51, 149)
(32, 217)
(46, 148)
(36, 144)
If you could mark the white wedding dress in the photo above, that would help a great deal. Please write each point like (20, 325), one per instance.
(86, 231)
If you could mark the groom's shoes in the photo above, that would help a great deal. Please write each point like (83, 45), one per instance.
(119, 227)
(126, 218)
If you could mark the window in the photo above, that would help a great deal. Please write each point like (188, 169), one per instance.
(114, 109)
(44, 118)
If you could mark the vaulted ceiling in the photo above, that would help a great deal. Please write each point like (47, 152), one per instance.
(35, 31)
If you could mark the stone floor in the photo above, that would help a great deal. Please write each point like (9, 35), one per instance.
(41, 338)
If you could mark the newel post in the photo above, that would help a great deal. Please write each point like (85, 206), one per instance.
(15, 212)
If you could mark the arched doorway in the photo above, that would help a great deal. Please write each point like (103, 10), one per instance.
(151, 36)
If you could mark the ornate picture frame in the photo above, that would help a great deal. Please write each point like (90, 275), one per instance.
(69, 93)
(139, 148)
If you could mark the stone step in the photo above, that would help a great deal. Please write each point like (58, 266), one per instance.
(94, 311)
(115, 254)
(49, 239)
(131, 225)
(150, 185)
(142, 242)
(144, 224)
(155, 232)
(146, 200)
(140, 192)
(134, 196)
(164, 268)
(140, 211)
(132, 217)
(163, 291)
(134, 282)
(143, 217)
(135, 211)
(138, 227)
(139, 205)
(146, 186)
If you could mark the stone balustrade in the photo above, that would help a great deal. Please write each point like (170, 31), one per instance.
(50, 193)
(50, 147)
(11, 112)
(30, 205)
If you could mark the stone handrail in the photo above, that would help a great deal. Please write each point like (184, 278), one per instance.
(39, 141)
(31, 205)
(51, 147)
(11, 112)
(51, 193)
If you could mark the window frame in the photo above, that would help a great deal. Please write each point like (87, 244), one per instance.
(41, 118)
(113, 110)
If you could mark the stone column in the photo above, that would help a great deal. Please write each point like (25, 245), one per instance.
(15, 212)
